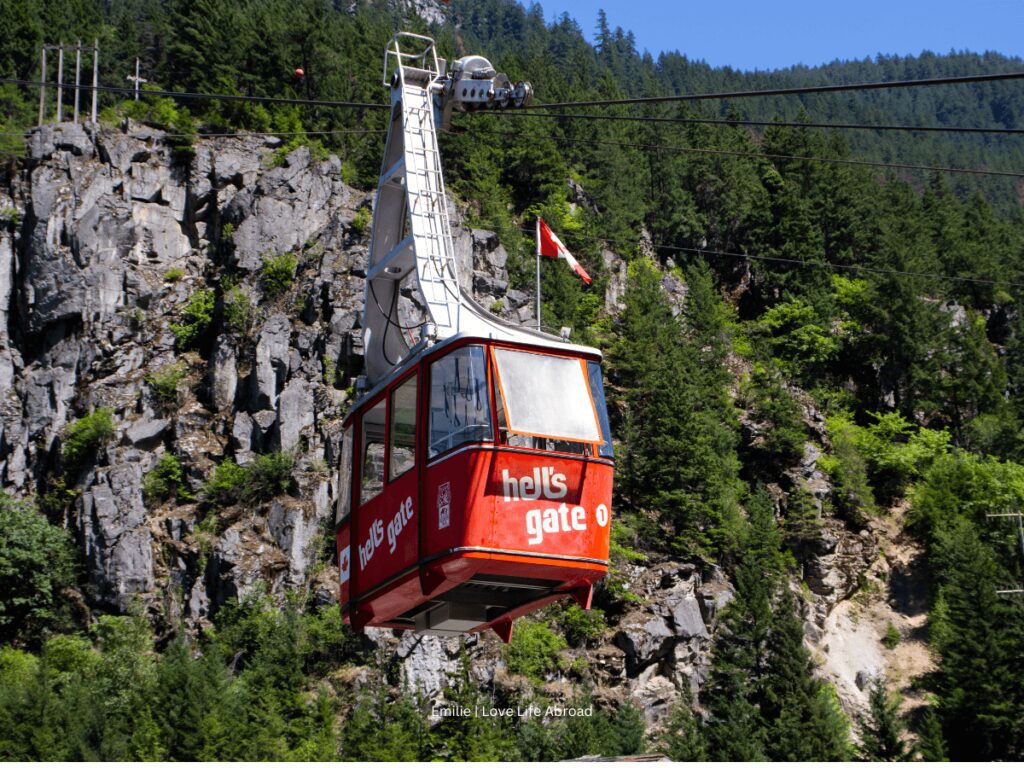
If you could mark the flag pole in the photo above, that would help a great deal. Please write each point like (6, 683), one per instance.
(538, 273)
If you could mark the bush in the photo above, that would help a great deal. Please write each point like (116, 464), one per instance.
(270, 475)
(196, 319)
(164, 382)
(361, 221)
(37, 564)
(533, 650)
(891, 638)
(225, 485)
(174, 275)
(267, 476)
(85, 437)
(238, 310)
(579, 625)
(165, 481)
(278, 273)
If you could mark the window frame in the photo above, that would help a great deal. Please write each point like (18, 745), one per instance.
(491, 436)
(391, 392)
(499, 392)
(383, 398)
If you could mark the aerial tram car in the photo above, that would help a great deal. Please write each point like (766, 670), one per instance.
(476, 465)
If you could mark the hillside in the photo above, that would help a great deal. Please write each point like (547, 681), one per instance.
(813, 372)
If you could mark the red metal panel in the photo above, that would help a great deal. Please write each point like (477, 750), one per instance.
(385, 533)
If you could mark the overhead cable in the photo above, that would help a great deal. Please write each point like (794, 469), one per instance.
(772, 156)
(794, 91)
(199, 96)
(760, 123)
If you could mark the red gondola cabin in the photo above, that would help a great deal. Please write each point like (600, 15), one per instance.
(475, 486)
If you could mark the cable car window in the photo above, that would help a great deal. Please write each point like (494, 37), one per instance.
(597, 392)
(546, 396)
(518, 440)
(372, 453)
(460, 410)
(344, 478)
(403, 429)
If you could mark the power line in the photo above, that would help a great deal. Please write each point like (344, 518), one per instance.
(810, 264)
(764, 123)
(788, 91)
(201, 96)
(772, 156)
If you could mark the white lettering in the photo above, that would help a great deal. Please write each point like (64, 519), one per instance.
(544, 482)
(375, 535)
(602, 515)
(579, 522)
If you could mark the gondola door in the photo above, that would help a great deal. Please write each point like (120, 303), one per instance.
(385, 535)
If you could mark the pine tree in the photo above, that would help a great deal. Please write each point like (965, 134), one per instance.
(881, 727)
(931, 744)
(683, 740)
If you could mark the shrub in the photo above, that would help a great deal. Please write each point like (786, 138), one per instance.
(533, 650)
(173, 275)
(361, 221)
(36, 564)
(164, 382)
(225, 485)
(267, 476)
(891, 638)
(270, 475)
(579, 625)
(238, 310)
(85, 437)
(165, 481)
(278, 273)
(196, 318)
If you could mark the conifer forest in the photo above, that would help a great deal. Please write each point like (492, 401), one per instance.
(813, 359)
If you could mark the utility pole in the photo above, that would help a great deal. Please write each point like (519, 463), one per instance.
(95, 75)
(42, 84)
(60, 82)
(136, 79)
(78, 69)
(1020, 529)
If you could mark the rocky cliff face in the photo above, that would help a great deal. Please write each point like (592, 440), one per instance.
(105, 238)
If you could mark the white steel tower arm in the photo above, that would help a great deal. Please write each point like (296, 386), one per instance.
(411, 230)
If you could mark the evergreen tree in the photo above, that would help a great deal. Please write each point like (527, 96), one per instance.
(881, 727)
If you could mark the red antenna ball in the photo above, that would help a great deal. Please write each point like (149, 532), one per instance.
(299, 72)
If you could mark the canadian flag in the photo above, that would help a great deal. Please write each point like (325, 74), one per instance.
(549, 245)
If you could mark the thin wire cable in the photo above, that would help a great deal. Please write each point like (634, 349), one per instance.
(593, 239)
(200, 96)
(793, 91)
(763, 123)
(737, 153)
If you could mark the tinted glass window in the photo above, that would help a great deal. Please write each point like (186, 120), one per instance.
(403, 428)
(372, 453)
(460, 411)
(597, 392)
(345, 478)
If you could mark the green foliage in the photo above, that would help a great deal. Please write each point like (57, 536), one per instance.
(796, 334)
(85, 437)
(892, 636)
(164, 382)
(278, 273)
(165, 481)
(361, 221)
(881, 728)
(37, 569)
(238, 310)
(779, 432)
(196, 317)
(173, 275)
(534, 650)
(265, 477)
(579, 625)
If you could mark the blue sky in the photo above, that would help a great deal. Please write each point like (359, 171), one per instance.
(759, 34)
